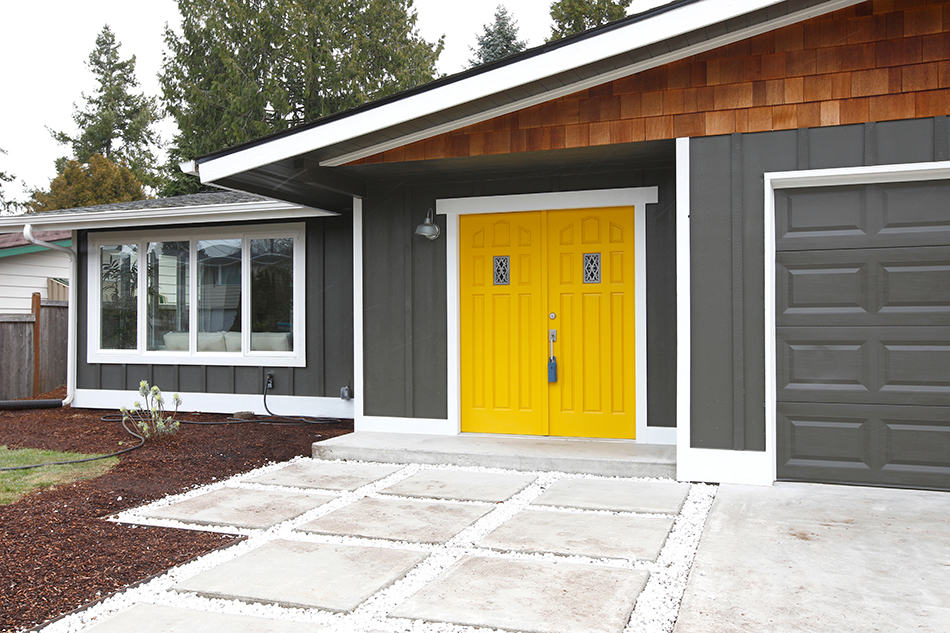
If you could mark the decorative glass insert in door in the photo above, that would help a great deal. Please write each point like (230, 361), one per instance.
(502, 275)
(591, 268)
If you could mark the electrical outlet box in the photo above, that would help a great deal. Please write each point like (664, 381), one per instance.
(269, 381)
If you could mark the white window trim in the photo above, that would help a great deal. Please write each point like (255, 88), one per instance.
(296, 358)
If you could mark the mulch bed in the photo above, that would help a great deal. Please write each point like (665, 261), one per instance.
(56, 552)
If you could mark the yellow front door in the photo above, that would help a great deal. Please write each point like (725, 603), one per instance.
(523, 275)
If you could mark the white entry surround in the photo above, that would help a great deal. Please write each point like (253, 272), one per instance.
(739, 466)
(452, 208)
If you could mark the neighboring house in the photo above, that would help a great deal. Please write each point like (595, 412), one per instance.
(26, 268)
(728, 220)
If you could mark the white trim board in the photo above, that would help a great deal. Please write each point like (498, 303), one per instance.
(638, 197)
(312, 406)
(658, 28)
(136, 218)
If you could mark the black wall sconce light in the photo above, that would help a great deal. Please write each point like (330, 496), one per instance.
(428, 229)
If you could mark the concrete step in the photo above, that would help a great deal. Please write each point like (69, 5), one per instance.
(613, 458)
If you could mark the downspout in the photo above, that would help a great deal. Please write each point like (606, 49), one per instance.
(71, 328)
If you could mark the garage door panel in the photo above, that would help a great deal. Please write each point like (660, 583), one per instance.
(862, 216)
(888, 286)
(876, 444)
(868, 365)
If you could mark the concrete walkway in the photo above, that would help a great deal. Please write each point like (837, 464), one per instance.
(373, 547)
(814, 558)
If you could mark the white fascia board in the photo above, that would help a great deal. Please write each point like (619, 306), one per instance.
(640, 34)
(234, 212)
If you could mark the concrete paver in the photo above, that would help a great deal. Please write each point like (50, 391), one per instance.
(304, 574)
(616, 494)
(800, 558)
(595, 535)
(399, 519)
(543, 597)
(325, 475)
(456, 484)
(149, 618)
(239, 507)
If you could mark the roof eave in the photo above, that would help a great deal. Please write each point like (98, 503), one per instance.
(657, 28)
(126, 218)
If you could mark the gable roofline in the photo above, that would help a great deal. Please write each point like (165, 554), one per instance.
(708, 23)
(443, 81)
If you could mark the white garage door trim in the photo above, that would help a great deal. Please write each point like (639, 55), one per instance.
(875, 174)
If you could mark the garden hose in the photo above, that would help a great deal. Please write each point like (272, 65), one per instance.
(117, 417)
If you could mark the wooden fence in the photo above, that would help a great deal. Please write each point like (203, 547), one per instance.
(33, 350)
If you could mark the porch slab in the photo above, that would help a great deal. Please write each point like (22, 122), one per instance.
(307, 575)
(325, 475)
(150, 618)
(587, 534)
(398, 519)
(664, 497)
(617, 458)
(240, 507)
(542, 597)
(461, 485)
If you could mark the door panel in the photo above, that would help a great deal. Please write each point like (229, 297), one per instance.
(592, 294)
(503, 337)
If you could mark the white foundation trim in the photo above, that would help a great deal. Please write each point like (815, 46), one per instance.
(222, 402)
(869, 175)
(638, 197)
(385, 424)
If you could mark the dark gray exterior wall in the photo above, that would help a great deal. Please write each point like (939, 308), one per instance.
(404, 297)
(726, 255)
(329, 313)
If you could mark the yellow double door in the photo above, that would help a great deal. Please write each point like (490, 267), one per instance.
(526, 278)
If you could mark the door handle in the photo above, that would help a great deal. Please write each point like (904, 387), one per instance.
(552, 360)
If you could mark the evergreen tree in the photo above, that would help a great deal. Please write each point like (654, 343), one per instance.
(577, 16)
(100, 181)
(7, 205)
(498, 39)
(241, 69)
(115, 121)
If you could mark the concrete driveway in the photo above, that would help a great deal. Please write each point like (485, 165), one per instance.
(815, 558)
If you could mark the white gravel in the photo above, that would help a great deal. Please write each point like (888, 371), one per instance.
(655, 612)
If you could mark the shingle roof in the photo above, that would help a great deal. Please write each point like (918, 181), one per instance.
(10, 240)
(188, 200)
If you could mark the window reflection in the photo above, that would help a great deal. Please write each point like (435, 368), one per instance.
(219, 295)
(118, 296)
(272, 294)
(167, 309)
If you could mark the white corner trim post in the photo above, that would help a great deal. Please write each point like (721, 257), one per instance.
(71, 310)
(700, 464)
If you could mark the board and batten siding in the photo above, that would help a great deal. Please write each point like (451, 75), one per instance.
(329, 314)
(404, 287)
(22, 275)
(726, 255)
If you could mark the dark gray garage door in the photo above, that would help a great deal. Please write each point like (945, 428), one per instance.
(863, 327)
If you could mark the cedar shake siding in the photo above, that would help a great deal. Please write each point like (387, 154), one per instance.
(876, 61)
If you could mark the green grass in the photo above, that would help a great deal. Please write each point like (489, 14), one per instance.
(17, 483)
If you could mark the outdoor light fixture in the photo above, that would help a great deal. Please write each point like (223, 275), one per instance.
(428, 229)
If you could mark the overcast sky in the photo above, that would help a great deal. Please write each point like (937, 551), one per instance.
(44, 45)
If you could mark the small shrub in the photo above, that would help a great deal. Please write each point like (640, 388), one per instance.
(152, 420)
